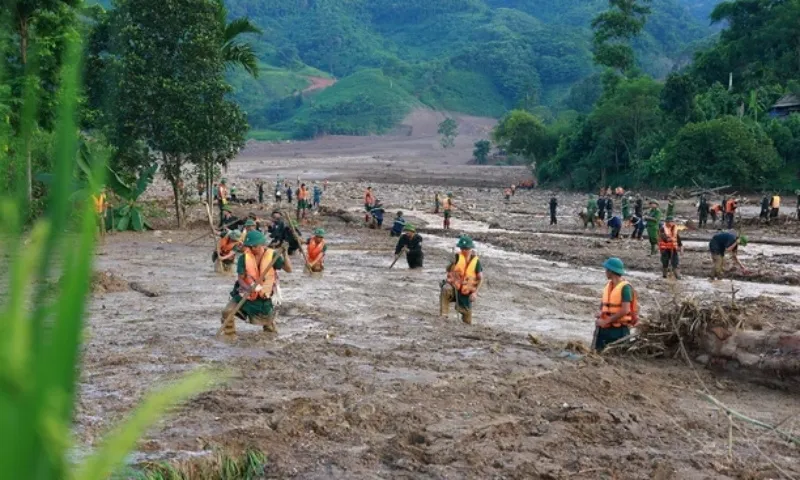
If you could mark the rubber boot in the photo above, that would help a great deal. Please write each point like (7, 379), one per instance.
(228, 320)
(466, 316)
(664, 271)
(652, 249)
(268, 323)
(676, 273)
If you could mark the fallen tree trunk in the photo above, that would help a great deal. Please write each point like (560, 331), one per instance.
(713, 332)
(779, 352)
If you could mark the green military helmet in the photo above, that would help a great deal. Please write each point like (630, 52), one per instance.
(235, 235)
(743, 240)
(409, 228)
(465, 242)
(614, 265)
(449, 194)
(320, 232)
(223, 181)
(250, 223)
(255, 238)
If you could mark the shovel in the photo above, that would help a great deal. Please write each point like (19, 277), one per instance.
(396, 257)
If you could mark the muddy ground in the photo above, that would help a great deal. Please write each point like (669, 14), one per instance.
(364, 380)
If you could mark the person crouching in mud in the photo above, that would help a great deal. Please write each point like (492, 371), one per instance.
(257, 282)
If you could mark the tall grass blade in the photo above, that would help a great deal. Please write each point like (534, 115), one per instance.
(116, 447)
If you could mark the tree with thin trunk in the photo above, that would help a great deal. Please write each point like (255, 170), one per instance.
(22, 16)
(171, 87)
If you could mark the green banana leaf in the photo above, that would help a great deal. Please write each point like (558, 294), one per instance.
(136, 220)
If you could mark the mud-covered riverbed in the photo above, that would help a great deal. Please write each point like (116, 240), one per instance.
(364, 380)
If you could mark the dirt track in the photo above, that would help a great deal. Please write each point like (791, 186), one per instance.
(364, 380)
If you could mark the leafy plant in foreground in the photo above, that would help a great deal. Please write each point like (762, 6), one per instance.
(42, 327)
(129, 216)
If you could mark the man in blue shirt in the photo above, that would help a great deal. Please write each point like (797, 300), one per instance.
(614, 226)
(397, 226)
(720, 244)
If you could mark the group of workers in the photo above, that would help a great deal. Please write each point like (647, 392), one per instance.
(256, 292)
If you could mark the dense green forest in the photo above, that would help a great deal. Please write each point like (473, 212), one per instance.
(479, 57)
(708, 124)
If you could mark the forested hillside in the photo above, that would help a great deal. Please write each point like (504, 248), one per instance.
(480, 57)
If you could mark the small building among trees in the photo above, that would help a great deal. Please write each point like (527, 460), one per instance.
(785, 106)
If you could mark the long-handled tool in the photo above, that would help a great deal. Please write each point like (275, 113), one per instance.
(299, 243)
(247, 293)
(213, 232)
(396, 257)
(218, 263)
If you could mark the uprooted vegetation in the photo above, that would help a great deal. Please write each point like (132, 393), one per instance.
(715, 332)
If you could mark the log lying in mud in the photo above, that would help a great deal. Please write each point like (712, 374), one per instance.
(713, 331)
(344, 215)
(779, 352)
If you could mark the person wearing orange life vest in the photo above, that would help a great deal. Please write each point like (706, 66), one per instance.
(730, 211)
(100, 208)
(369, 201)
(222, 196)
(302, 201)
(464, 279)
(448, 210)
(315, 251)
(619, 309)
(227, 249)
(669, 244)
(257, 280)
(774, 206)
(507, 194)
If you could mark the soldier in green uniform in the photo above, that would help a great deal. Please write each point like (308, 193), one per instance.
(257, 271)
(653, 219)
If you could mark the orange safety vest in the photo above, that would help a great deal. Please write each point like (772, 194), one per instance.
(730, 206)
(448, 204)
(776, 201)
(302, 194)
(222, 193)
(369, 199)
(507, 192)
(463, 276)
(315, 250)
(99, 202)
(612, 304)
(716, 208)
(255, 271)
(226, 246)
(668, 239)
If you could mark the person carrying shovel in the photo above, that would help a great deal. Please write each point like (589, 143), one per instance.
(316, 248)
(464, 279)
(412, 243)
(257, 269)
(619, 309)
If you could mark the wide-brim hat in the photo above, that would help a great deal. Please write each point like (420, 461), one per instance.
(614, 265)
(465, 242)
(254, 238)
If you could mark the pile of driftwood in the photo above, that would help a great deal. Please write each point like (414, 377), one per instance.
(713, 331)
